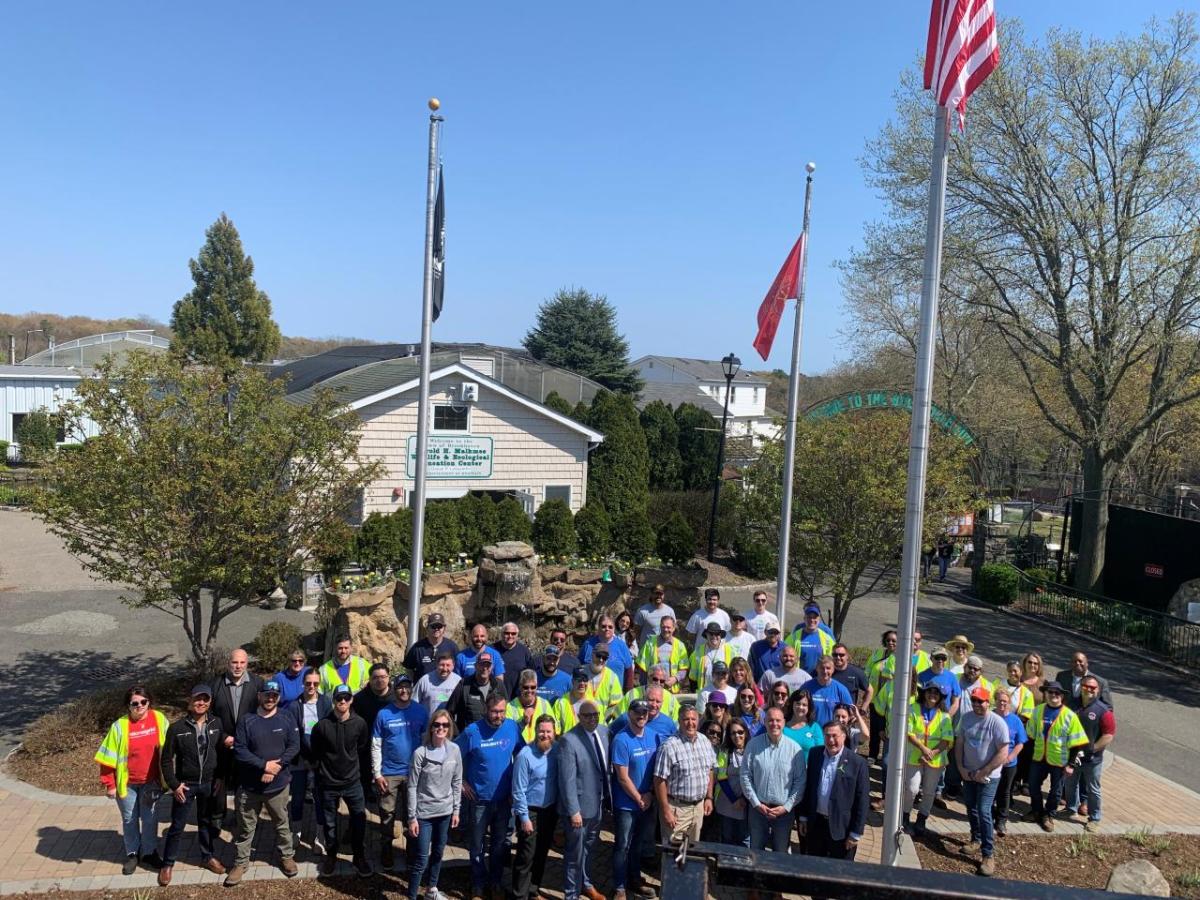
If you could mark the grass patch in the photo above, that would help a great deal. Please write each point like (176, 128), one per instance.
(1158, 844)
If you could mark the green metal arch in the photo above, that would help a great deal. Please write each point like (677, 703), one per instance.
(859, 401)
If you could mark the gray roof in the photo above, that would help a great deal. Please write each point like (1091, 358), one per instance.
(673, 394)
(699, 369)
(45, 372)
(370, 379)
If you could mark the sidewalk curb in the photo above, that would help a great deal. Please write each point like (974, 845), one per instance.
(41, 795)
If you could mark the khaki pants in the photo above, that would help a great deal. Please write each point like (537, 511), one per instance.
(395, 799)
(688, 820)
(247, 807)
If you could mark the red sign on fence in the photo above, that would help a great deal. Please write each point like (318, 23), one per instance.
(1154, 570)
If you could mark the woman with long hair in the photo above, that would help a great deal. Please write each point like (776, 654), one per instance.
(624, 632)
(741, 674)
(435, 780)
(730, 805)
(802, 726)
(535, 790)
(130, 758)
(747, 712)
(778, 697)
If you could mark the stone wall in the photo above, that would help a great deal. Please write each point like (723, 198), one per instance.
(509, 584)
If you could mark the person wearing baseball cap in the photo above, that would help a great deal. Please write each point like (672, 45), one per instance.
(708, 613)
(1058, 741)
(718, 681)
(553, 682)
(468, 703)
(810, 639)
(764, 654)
(341, 752)
(938, 674)
(264, 747)
(633, 753)
(930, 735)
(189, 765)
(422, 656)
(713, 649)
(395, 735)
(739, 637)
(980, 751)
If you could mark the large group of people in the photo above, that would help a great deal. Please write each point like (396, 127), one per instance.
(722, 728)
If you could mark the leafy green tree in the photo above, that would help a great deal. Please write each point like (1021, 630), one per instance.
(593, 530)
(204, 490)
(676, 542)
(578, 331)
(554, 529)
(1072, 230)
(225, 318)
(662, 443)
(619, 469)
(559, 404)
(37, 434)
(848, 502)
(634, 537)
(699, 434)
(512, 523)
(443, 531)
(480, 522)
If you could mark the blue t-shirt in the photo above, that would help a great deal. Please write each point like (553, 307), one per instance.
(551, 687)
(662, 726)
(464, 663)
(619, 658)
(947, 681)
(488, 757)
(1049, 714)
(638, 754)
(825, 699)
(400, 732)
(290, 686)
(763, 657)
(1016, 735)
(810, 647)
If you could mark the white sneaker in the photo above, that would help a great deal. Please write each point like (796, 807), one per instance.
(318, 844)
(432, 894)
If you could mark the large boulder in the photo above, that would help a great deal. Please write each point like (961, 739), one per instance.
(1138, 876)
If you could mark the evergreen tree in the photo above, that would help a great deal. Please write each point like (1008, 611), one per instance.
(593, 529)
(578, 331)
(699, 434)
(634, 538)
(581, 412)
(559, 404)
(619, 469)
(225, 318)
(662, 443)
(554, 529)
(511, 522)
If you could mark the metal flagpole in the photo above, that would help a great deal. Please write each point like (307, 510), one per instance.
(418, 498)
(789, 444)
(918, 452)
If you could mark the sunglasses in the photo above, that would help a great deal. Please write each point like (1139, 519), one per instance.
(138, 704)
(342, 699)
(510, 634)
(529, 690)
(591, 715)
(658, 681)
(600, 655)
(312, 684)
(297, 662)
(440, 726)
(436, 627)
(483, 662)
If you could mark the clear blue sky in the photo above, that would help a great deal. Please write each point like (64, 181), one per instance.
(652, 152)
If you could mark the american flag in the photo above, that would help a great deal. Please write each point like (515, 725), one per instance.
(962, 51)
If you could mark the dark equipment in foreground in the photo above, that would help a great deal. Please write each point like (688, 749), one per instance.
(689, 871)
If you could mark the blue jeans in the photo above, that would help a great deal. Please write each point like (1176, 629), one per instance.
(978, 798)
(429, 845)
(1037, 777)
(356, 803)
(772, 833)
(735, 831)
(139, 827)
(943, 562)
(300, 778)
(630, 828)
(489, 815)
(577, 856)
(1084, 785)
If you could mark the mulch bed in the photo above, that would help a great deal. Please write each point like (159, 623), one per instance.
(1084, 860)
(72, 772)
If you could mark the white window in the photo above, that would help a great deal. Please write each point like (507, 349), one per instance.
(755, 395)
(559, 492)
(451, 418)
(733, 393)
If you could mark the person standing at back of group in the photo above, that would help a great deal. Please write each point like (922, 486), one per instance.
(375, 696)
(514, 654)
(810, 639)
(648, 616)
(434, 689)
(422, 656)
(291, 678)
(759, 619)
(235, 696)
(708, 613)
(464, 663)
(345, 668)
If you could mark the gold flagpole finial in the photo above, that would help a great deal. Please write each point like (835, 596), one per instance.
(435, 104)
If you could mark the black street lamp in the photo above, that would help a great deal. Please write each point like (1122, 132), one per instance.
(729, 365)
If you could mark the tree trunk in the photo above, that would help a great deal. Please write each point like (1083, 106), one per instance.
(1089, 569)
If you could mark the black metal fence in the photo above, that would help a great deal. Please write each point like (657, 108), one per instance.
(1121, 623)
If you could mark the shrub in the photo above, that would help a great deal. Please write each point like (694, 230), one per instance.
(676, 542)
(592, 529)
(634, 538)
(554, 529)
(37, 434)
(385, 540)
(512, 524)
(1041, 577)
(755, 556)
(559, 404)
(619, 469)
(3, 451)
(275, 642)
(443, 531)
(998, 584)
(480, 522)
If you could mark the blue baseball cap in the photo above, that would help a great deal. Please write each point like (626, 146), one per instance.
(342, 690)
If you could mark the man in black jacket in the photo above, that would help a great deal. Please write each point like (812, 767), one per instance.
(189, 764)
(1073, 677)
(833, 811)
(469, 701)
(341, 753)
(235, 695)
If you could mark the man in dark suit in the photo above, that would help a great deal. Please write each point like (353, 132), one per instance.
(1070, 680)
(235, 695)
(833, 812)
(583, 792)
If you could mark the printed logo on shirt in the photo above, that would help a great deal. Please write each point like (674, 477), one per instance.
(142, 731)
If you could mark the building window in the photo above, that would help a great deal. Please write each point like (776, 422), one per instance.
(449, 418)
(559, 492)
(733, 393)
(60, 434)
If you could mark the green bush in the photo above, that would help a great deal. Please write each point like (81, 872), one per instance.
(480, 523)
(676, 541)
(274, 644)
(755, 556)
(998, 584)
(3, 452)
(511, 522)
(634, 538)
(554, 529)
(443, 531)
(37, 434)
(1041, 577)
(593, 530)
(619, 469)
(385, 541)
(559, 404)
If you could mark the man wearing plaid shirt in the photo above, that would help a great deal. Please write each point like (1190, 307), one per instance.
(684, 774)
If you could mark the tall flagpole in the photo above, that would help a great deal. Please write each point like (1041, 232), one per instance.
(918, 452)
(789, 445)
(418, 500)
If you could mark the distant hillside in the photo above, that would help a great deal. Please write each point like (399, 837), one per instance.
(68, 328)
(812, 389)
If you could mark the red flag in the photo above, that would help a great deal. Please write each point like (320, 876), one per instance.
(783, 288)
(961, 52)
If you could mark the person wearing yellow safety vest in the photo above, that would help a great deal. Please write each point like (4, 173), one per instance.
(566, 708)
(528, 707)
(1020, 697)
(930, 735)
(607, 689)
(1058, 742)
(875, 681)
(810, 639)
(656, 676)
(344, 668)
(711, 649)
(130, 758)
(666, 650)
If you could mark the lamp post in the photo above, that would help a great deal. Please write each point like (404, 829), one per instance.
(729, 366)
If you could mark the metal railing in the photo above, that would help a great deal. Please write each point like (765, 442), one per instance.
(1124, 624)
